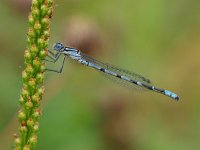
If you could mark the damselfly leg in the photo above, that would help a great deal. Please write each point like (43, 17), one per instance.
(54, 58)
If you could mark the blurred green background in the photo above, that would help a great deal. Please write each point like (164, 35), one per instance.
(159, 39)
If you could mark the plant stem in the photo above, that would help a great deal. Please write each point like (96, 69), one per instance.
(33, 74)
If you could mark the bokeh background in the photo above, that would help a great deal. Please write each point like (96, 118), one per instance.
(159, 39)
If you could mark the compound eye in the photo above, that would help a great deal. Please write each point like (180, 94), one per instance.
(58, 46)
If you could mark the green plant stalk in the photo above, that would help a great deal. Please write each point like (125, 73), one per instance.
(33, 74)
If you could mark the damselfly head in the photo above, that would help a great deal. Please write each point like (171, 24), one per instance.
(58, 47)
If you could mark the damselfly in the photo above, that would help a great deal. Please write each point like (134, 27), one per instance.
(127, 78)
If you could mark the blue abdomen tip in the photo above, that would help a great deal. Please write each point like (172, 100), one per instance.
(172, 95)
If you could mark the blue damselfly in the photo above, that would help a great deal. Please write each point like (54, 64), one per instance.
(127, 78)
